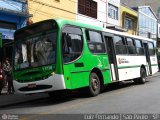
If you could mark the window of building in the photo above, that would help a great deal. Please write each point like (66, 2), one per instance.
(88, 8)
(120, 45)
(139, 47)
(113, 11)
(72, 44)
(130, 46)
(95, 42)
(128, 23)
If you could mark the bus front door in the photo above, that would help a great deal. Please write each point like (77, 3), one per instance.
(147, 57)
(111, 57)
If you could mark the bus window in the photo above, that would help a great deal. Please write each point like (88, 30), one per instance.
(36, 51)
(72, 45)
(151, 48)
(130, 46)
(139, 47)
(94, 37)
(95, 43)
(120, 45)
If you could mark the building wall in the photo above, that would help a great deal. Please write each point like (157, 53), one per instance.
(147, 23)
(101, 15)
(111, 21)
(12, 13)
(13, 16)
(130, 13)
(155, 4)
(48, 9)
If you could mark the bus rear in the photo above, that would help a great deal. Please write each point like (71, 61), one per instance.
(34, 61)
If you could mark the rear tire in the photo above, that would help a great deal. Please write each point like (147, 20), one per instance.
(143, 76)
(94, 85)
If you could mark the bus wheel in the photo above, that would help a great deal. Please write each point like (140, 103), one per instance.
(94, 85)
(142, 78)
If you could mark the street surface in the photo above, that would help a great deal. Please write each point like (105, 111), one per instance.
(124, 98)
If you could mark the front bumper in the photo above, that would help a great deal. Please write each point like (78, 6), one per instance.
(52, 83)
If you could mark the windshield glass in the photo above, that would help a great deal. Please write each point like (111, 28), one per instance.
(35, 51)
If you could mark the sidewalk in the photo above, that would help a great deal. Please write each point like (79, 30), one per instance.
(156, 74)
(13, 99)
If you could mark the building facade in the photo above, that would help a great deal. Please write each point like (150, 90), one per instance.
(147, 23)
(128, 19)
(102, 13)
(49, 9)
(13, 16)
(92, 12)
(113, 13)
(155, 4)
(147, 16)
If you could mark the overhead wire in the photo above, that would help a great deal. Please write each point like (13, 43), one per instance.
(50, 14)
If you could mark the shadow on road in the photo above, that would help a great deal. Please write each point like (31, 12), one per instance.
(47, 101)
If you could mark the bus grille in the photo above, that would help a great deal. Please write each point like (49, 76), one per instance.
(38, 87)
(32, 80)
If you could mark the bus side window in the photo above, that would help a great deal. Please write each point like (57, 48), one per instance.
(151, 48)
(72, 43)
(139, 47)
(66, 44)
(120, 45)
(95, 42)
(130, 46)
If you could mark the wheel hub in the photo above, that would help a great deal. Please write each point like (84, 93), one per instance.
(95, 84)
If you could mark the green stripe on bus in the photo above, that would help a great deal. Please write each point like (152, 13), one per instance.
(122, 67)
(154, 65)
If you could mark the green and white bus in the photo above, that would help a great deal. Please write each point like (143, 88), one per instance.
(58, 54)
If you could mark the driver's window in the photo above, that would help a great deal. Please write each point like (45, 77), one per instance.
(72, 44)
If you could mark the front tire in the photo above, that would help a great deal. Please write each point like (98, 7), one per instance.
(94, 85)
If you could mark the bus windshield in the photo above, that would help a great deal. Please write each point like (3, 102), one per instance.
(35, 51)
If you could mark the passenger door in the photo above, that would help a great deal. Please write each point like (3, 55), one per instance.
(147, 57)
(111, 57)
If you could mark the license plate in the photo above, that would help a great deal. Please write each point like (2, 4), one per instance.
(32, 85)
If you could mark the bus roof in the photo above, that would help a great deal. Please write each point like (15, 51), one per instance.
(63, 22)
(76, 23)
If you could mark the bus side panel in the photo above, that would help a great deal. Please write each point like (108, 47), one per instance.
(67, 77)
(106, 73)
(77, 73)
(154, 64)
(78, 77)
(129, 66)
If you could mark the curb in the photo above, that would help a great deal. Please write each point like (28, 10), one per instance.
(156, 75)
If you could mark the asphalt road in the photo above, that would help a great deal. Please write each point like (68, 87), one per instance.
(124, 98)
